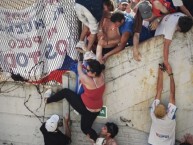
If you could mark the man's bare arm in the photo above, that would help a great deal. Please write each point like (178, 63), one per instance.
(185, 11)
(158, 5)
(172, 85)
(136, 53)
(159, 84)
(66, 126)
(121, 46)
(167, 43)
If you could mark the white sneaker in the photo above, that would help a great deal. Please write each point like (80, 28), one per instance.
(100, 141)
(47, 94)
(89, 55)
(80, 46)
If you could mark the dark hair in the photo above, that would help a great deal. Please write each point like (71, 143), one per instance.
(95, 66)
(185, 23)
(112, 128)
(117, 16)
(185, 143)
(109, 4)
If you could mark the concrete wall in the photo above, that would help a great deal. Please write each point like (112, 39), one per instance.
(130, 90)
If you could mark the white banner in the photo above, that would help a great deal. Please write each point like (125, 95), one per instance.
(35, 40)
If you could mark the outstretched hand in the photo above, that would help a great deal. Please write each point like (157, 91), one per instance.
(154, 24)
(137, 55)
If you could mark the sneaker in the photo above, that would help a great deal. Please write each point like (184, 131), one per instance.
(89, 55)
(100, 141)
(47, 94)
(80, 46)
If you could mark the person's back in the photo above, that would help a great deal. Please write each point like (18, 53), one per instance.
(54, 138)
(52, 135)
(162, 130)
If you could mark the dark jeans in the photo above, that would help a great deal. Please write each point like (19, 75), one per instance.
(87, 117)
(144, 35)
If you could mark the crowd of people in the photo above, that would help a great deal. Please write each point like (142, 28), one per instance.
(106, 31)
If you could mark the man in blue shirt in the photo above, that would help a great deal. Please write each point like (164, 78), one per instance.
(125, 24)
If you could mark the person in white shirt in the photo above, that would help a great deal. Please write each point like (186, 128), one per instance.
(179, 3)
(129, 10)
(169, 24)
(162, 130)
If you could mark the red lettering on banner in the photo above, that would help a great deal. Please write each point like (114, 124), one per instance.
(37, 39)
(10, 60)
(51, 32)
(34, 55)
(58, 43)
(23, 43)
(28, 43)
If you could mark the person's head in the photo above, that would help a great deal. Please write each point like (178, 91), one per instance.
(128, 8)
(124, 4)
(108, 5)
(52, 123)
(118, 18)
(110, 129)
(94, 68)
(160, 111)
(145, 9)
(185, 23)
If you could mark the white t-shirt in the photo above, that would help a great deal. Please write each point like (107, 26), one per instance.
(162, 131)
(177, 3)
(168, 25)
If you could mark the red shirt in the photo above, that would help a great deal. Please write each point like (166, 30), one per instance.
(92, 98)
(166, 3)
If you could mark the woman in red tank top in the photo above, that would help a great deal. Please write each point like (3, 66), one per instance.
(90, 102)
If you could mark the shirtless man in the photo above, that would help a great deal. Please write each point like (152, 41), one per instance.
(108, 36)
(123, 23)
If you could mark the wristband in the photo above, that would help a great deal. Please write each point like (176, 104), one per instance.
(171, 74)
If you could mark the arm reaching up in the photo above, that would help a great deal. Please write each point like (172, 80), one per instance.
(66, 122)
(159, 84)
(172, 85)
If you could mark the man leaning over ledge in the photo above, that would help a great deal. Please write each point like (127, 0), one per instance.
(169, 24)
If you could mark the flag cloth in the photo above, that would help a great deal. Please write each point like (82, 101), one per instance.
(56, 75)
